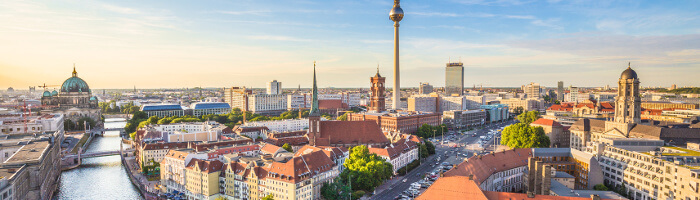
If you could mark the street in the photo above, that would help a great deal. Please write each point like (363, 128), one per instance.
(467, 144)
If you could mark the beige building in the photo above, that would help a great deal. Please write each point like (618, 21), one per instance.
(202, 179)
(422, 103)
(660, 105)
(555, 131)
(645, 169)
(527, 104)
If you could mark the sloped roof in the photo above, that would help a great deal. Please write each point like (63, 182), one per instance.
(483, 166)
(351, 132)
(456, 187)
(205, 165)
(546, 122)
(301, 167)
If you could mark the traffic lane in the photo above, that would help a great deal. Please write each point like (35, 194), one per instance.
(399, 187)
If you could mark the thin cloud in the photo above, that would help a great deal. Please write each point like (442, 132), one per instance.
(246, 12)
(434, 14)
(59, 32)
(519, 16)
(279, 38)
(120, 10)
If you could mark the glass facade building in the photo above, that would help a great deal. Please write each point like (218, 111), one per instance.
(454, 79)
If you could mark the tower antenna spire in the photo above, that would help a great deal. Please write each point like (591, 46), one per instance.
(629, 65)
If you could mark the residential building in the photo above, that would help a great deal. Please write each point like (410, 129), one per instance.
(164, 110)
(555, 131)
(474, 102)
(422, 103)
(425, 88)
(499, 171)
(533, 90)
(454, 79)
(172, 168)
(560, 91)
(460, 119)
(274, 87)
(526, 104)
(452, 103)
(155, 152)
(287, 125)
(207, 108)
(267, 104)
(185, 132)
(43, 123)
(582, 165)
(202, 179)
(646, 169)
(661, 105)
(237, 97)
(399, 154)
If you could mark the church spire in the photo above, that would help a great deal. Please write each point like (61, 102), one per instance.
(314, 98)
(75, 73)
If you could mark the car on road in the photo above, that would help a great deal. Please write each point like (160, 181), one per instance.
(404, 180)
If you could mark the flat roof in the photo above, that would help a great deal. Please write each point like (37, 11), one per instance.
(29, 152)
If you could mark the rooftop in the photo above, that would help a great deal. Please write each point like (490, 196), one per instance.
(29, 152)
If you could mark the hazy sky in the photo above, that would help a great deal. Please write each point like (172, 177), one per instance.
(155, 44)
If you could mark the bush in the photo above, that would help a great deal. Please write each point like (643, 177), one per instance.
(410, 166)
(358, 194)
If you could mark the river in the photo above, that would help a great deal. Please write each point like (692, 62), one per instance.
(101, 177)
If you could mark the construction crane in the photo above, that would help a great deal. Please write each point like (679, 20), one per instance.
(45, 86)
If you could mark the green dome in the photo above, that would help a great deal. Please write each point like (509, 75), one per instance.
(46, 94)
(75, 84)
(54, 93)
(93, 98)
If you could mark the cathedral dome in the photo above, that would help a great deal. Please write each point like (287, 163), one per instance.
(54, 93)
(629, 73)
(93, 98)
(46, 94)
(75, 84)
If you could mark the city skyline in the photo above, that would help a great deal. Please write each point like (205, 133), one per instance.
(249, 43)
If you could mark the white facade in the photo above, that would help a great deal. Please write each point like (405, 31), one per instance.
(172, 169)
(16, 125)
(422, 103)
(533, 90)
(452, 103)
(274, 87)
(297, 101)
(267, 102)
(505, 181)
(474, 102)
(281, 126)
(189, 131)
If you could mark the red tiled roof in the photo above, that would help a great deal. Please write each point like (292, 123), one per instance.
(491, 195)
(205, 165)
(331, 104)
(457, 187)
(546, 122)
(270, 148)
(350, 132)
(395, 149)
(483, 166)
(301, 167)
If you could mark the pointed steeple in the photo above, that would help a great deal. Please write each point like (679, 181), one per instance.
(377, 75)
(314, 97)
(75, 73)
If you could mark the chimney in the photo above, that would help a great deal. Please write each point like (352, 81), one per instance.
(471, 177)
(530, 195)
(595, 197)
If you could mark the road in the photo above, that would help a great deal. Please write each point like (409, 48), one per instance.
(396, 186)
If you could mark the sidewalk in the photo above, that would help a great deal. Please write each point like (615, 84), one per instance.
(141, 178)
(388, 184)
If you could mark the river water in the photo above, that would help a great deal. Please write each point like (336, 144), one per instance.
(101, 177)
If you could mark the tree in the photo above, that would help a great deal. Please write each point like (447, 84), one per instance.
(600, 187)
(523, 135)
(268, 197)
(528, 117)
(430, 146)
(337, 189)
(344, 117)
(423, 149)
(518, 110)
(366, 170)
(287, 147)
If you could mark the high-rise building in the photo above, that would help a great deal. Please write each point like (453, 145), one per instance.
(237, 97)
(377, 101)
(454, 79)
(533, 90)
(396, 14)
(560, 91)
(425, 88)
(274, 87)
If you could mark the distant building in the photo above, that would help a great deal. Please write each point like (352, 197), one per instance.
(399, 154)
(74, 100)
(425, 88)
(287, 125)
(660, 105)
(403, 122)
(533, 90)
(560, 91)
(460, 119)
(237, 97)
(274, 87)
(496, 112)
(422, 103)
(528, 104)
(165, 110)
(206, 108)
(267, 104)
(454, 79)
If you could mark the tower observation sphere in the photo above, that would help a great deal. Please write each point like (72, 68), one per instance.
(396, 13)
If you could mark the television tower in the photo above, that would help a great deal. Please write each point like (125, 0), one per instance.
(396, 14)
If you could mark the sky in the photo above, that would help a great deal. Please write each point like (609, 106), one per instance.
(225, 43)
